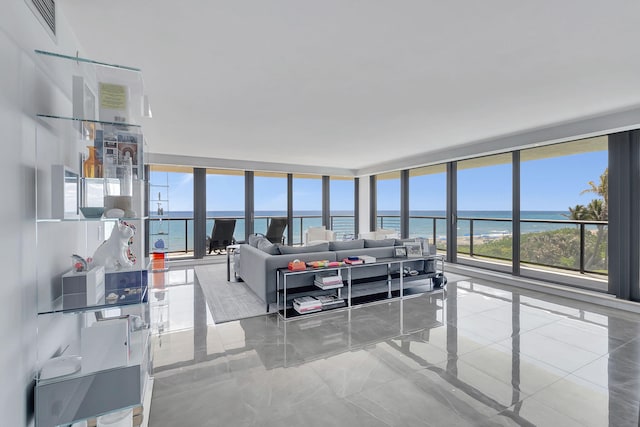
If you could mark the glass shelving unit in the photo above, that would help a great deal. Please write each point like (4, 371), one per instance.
(93, 352)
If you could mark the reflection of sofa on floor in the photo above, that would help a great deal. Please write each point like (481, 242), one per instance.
(258, 261)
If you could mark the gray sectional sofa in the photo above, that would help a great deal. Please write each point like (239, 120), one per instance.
(257, 261)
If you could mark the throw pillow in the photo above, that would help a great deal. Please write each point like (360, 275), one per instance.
(266, 246)
(346, 244)
(369, 243)
(401, 242)
(289, 250)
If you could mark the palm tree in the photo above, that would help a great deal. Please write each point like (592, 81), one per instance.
(602, 190)
(577, 213)
(598, 210)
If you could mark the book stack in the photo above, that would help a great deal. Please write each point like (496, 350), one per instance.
(328, 282)
(353, 260)
(330, 301)
(307, 304)
(367, 259)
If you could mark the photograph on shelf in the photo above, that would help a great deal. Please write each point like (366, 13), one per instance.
(127, 147)
(400, 252)
(414, 249)
(114, 102)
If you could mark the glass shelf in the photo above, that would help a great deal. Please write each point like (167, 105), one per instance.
(128, 287)
(138, 347)
(86, 60)
(81, 78)
(83, 219)
(49, 117)
(88, 392)
(57, 306)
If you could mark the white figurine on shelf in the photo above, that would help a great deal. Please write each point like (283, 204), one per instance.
(115, 253)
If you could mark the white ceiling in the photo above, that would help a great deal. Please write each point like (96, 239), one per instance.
(351, 84)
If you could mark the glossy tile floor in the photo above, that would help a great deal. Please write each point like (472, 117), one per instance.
(481, 354)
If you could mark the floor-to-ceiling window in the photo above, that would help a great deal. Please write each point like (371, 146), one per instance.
(307, 204)
(428, 203)
(171, 209)
(484, 216)
(564, 210)
(270, 199)
(225, 198)
(388, 201)
(341, 202)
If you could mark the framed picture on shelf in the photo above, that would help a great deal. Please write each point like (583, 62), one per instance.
(84, 99)
(399, 252)
(64, 192)
(414, 249)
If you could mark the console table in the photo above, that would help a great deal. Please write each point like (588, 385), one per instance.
(359, 291)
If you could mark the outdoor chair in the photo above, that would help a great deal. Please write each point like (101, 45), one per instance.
(222, 235)
(275, 232)
(379, 234)
(318, 235)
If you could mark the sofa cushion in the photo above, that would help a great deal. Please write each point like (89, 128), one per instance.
(370, 243)
(346, 244)
(266, 246)
(254, 239)
(382, 252)
(287, 250)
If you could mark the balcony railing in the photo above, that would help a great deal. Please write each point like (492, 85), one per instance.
(560, 244)
(178, 231)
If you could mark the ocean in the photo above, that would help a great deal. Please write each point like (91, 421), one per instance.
(178, 230)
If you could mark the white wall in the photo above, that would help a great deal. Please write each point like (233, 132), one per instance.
(24, 90)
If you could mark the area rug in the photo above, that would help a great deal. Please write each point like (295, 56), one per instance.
(227, 301)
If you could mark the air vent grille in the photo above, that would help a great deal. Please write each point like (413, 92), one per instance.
(47, 10)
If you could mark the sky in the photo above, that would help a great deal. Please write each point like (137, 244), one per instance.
(546, 185)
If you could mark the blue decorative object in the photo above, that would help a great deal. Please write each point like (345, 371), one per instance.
(91, 212)
(159, 244)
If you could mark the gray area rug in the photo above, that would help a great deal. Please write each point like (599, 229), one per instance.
(227, 301)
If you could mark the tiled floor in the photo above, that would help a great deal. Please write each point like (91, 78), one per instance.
(480, 355)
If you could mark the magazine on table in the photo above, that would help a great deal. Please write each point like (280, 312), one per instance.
(330, 301)
(306, 301)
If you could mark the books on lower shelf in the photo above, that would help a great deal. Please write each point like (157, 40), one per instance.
(311, 304)
(306, 304)
(328, 281)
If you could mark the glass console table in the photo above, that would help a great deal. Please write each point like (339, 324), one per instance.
(396, 283)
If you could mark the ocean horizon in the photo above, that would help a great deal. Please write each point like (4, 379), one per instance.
(180, 226)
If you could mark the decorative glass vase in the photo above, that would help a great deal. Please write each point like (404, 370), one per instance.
(92, 166)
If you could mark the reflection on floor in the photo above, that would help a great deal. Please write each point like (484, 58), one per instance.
(481, 354)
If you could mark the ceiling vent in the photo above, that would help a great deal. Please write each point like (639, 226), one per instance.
(45, 11)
